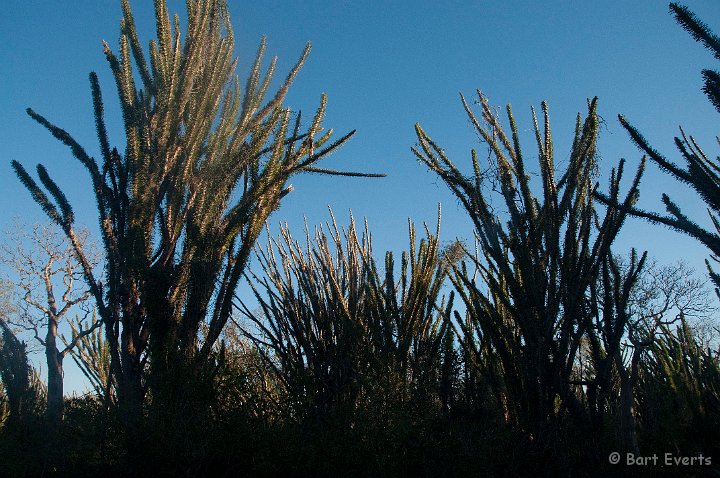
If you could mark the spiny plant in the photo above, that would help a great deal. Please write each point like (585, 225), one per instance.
(24, 391)
(702, 173)
(15, 372)
(334, 327)
(529, 309)
(703, 34)
(679, 390)
(206, 162)
(92, 356)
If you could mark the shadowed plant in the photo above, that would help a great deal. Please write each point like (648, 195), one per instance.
(338, 331)
(206, 162)
(528, 311)
(16, 374)
(92, 356)
(679, 391)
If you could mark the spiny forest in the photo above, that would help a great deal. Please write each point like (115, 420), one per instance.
(537, 349)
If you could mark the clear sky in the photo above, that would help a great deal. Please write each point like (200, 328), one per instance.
(386, 66)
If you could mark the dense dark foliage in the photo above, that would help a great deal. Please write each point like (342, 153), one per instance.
(539, 352)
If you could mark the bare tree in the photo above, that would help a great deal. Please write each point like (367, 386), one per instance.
(21, 389)
(667, 293)
(47, 270)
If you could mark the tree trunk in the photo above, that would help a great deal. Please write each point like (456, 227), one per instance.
(131, 392)
(627, 399)
(55, 394)
(130, 399)
(627, 417)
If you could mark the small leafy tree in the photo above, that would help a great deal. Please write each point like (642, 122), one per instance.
(206, 161)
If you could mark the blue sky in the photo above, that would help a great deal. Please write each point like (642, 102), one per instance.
(385, 67)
